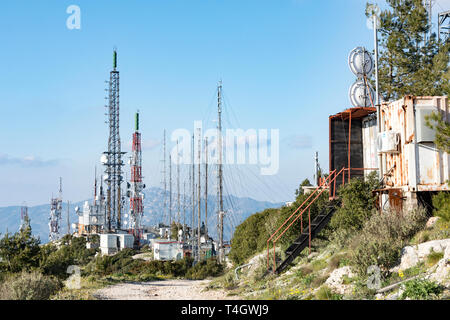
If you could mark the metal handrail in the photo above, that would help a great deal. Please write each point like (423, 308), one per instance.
(299, 216)
(286, 221)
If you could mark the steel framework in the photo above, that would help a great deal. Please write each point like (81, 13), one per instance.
(24, 218)
(113, 172)
(55, 218)
(444, 25)
(137, 186)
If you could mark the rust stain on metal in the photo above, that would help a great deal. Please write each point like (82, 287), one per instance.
(416, 163)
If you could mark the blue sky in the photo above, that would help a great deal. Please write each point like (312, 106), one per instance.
(283, 64)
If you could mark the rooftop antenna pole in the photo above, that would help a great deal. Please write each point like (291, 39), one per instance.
(219, 171)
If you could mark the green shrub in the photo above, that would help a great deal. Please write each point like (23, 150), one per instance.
(304, 271)
(19, 251)
(420, 289)
(325, 293)
(72, 251)
(441, 204)
(357, 207)
(382, 238)
(204, 269)
(28, 286)
(251, 236)
(318, 281)
(337, 261)
(434, 258)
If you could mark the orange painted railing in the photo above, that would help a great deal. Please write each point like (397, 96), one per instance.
(319, 190)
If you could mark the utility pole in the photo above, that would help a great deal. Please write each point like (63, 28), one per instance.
(377, 89)
(199, 194)
(206, 188)
(219, 172)
(316, 169)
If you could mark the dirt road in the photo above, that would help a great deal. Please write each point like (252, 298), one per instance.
(162, 290)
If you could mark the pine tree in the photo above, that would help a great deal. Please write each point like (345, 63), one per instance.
(409, 64)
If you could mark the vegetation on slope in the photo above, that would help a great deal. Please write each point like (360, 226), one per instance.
(31, 271)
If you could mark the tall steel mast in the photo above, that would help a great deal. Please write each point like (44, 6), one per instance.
(220, 172)
(206, 188)
(199, 217)
(178, 186)
(113, 173)
(137, 186)
(170, 196)
(55, 218)
(164, 179)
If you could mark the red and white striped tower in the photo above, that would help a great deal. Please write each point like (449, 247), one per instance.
(136, 185)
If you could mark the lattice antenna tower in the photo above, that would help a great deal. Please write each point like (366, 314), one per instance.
(113, 161)
(137, 186)
(55, 218)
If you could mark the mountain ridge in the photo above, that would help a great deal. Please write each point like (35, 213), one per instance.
(237, 210)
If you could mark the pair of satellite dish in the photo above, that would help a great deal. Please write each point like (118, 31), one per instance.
(361, 64)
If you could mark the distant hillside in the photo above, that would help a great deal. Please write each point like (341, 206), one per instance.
(237, 209)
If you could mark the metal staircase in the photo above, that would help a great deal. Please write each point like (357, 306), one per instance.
(304, 240)
(314, 226)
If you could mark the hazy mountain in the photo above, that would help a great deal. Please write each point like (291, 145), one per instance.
(237, 210)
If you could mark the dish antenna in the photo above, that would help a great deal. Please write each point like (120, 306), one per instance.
(360, 62)
(361, 95)
(362, 65)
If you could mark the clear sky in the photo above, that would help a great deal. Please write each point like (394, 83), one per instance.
(283, 64)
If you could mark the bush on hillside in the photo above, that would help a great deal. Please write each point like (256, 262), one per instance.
(420, 289)
(28, 286)
(19, 251)
(357, 207)
(251, 236)
(383, 236)
(72, 251)
(204, 269)
(441, 204)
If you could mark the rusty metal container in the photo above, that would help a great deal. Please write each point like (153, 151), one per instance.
(417, 165)
(346, 137)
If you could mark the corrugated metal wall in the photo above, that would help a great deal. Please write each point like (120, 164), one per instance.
(419, 166)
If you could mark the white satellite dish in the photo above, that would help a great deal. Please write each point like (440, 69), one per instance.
(361, 95)
(105, 177)
(360, 62)
(104, 159)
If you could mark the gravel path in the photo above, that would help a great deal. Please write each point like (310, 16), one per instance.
(162, 290)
